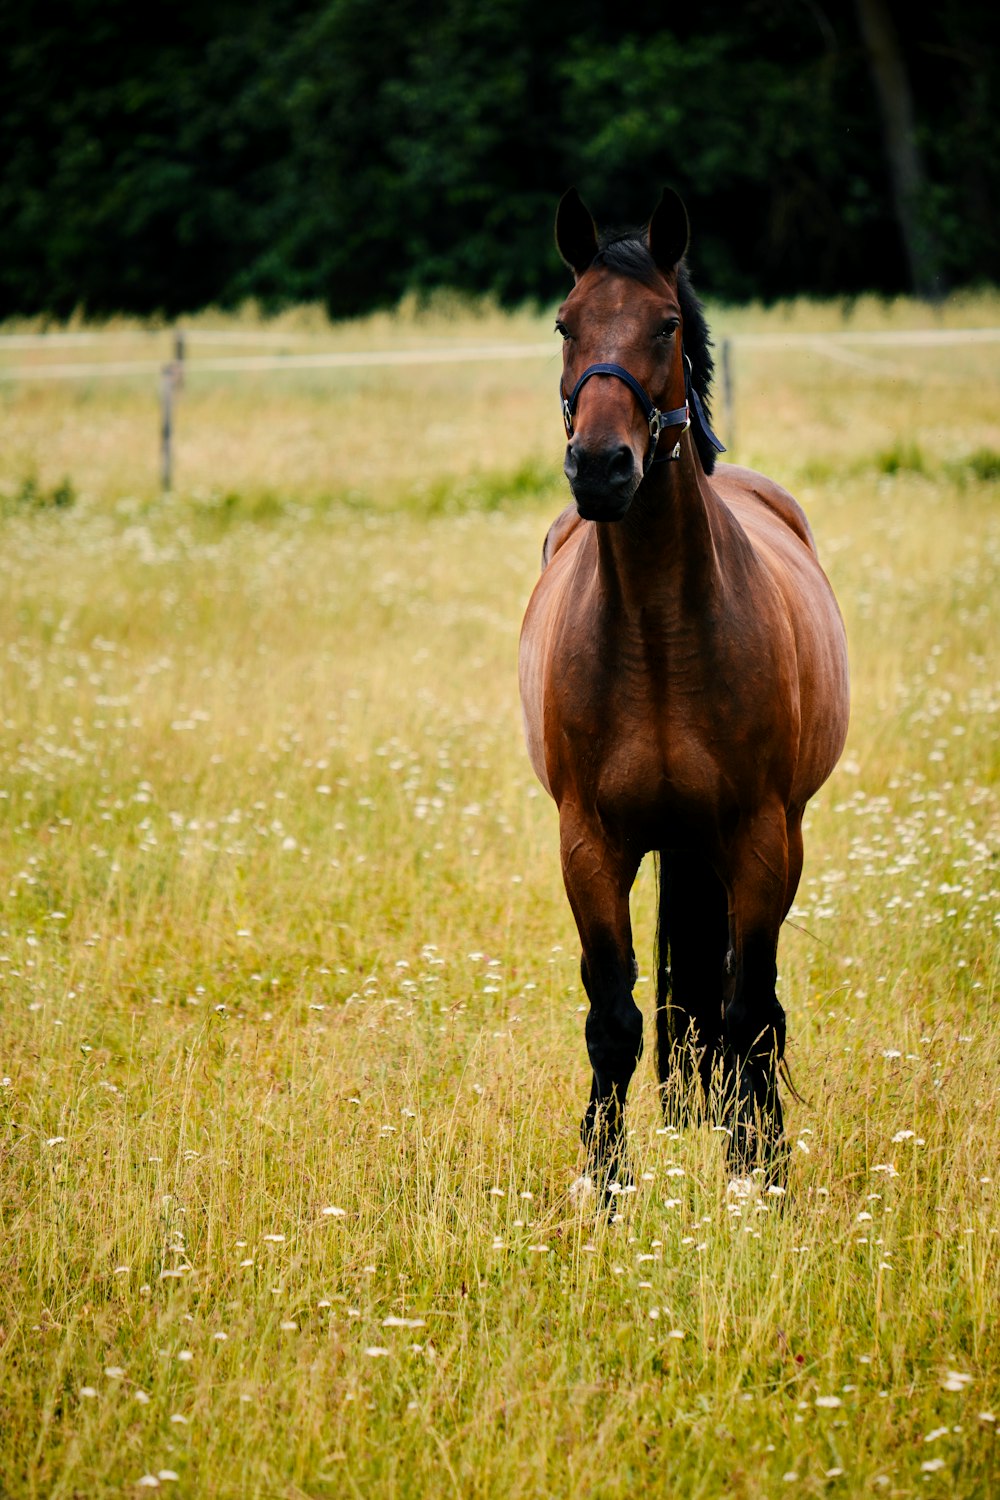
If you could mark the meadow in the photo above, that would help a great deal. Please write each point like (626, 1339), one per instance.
(291, 1027)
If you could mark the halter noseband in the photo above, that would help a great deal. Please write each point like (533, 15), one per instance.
(655, 418)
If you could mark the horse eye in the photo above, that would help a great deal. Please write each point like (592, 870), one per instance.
(669, 329)
(562, 330)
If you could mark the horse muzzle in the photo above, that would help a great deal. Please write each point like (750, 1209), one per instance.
(603, 480)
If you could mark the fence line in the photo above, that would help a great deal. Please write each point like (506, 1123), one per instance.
(293, 336)
(98, 336)
(829, 345)
(324, 360)
(911, 336)
(834, 345)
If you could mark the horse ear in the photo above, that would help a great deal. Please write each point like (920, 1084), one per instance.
(576, 234)
(667, 236)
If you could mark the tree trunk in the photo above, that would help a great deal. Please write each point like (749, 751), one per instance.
(892, 89)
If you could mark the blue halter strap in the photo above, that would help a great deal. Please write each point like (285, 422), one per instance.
(656, 419)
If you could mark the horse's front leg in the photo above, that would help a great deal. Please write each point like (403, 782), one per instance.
(598, 877)
(754, 1021)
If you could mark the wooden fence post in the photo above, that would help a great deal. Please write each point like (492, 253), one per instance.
(728, 413)
(171, 381)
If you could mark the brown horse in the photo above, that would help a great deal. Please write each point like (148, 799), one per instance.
(684, 685)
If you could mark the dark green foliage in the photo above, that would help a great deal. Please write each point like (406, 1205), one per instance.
(907, 457)
(983, 464)
(348, 150)
(904, 457)
(494, 490)
(30, 495)
(448, 494)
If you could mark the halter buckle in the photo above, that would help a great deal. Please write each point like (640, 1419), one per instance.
(567, 415)
(675, 452)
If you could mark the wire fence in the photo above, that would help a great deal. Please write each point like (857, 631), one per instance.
(842, 345)
(833, 344)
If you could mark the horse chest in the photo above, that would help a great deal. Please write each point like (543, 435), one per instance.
(633, 740)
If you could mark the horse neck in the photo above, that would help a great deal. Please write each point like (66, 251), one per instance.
(665, 549)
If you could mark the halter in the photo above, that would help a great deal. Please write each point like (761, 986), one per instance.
(655, 418)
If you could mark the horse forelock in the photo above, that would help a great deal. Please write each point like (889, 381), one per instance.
(627, 254)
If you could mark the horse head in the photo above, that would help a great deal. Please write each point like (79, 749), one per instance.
(622, 322)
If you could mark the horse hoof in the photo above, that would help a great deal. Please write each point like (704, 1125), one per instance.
(588, 1125)
(582, 1192)
(609, 1175)
(757, 1154)
(680, 1109)
(742, 1188)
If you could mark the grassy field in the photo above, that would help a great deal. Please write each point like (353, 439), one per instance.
(291, 1031)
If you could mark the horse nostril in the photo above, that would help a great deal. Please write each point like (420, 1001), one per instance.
(620, 465)
(614, 467)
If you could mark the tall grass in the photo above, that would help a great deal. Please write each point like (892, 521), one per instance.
(291, 1039)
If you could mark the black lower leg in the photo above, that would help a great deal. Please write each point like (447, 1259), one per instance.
(693, 938)
(614, 1043)
(754, 1045)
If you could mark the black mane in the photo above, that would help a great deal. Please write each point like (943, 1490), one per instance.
(628, 255)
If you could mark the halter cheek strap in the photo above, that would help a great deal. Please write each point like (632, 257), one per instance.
(655, 418)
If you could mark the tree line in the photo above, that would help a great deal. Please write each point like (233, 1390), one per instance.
(350, 151)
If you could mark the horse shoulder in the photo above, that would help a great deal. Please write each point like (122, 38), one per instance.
(782, 539)
(562, 528)
(548, 602)
(736, 484)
